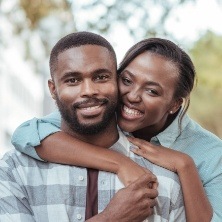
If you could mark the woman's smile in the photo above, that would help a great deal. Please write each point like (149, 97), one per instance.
(129, 113)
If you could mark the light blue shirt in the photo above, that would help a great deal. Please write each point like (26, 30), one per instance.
(204, 147)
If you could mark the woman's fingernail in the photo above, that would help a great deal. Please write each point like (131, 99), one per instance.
(132, 148)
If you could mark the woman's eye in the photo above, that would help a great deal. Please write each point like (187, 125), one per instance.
(126, 81)
(152, 92)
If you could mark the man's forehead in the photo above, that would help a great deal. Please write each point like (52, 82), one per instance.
(86, 58)
(86, 51)
(86, 55)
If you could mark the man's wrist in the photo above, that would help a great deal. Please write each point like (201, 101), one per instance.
(101, 217)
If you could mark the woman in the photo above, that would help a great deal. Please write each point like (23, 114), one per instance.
(156, 78)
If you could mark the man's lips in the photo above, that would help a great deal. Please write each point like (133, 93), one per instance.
(130, 113)
(90, 108)
(89, 103)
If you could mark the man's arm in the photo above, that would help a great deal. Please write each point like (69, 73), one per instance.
(133, 203)
(14, 205)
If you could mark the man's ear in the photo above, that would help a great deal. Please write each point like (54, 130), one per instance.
(52, 88)
(176, 105)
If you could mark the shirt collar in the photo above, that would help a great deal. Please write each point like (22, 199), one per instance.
(169, 135)
(122, 145)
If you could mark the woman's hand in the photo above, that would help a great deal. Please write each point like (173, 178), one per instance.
(165, 157)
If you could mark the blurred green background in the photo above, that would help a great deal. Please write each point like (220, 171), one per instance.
(38, 24)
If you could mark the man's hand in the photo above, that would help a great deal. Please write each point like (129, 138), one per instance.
(133, 203)
(129, 171)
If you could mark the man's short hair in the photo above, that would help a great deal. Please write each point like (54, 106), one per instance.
(75, 40)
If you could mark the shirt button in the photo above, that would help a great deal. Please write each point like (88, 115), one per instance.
(81, 178)
(79, 216)
(103, 182)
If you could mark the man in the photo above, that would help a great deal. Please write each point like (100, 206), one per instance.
(83, 71)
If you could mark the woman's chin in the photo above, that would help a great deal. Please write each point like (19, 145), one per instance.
(126, 125)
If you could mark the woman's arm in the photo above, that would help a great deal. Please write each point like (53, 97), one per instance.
(43, 140)
(63, 148)
(197, 205)
(30, 133)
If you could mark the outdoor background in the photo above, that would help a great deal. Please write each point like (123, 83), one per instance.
(30, 28)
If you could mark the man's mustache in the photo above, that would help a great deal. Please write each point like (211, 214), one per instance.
(90, 101)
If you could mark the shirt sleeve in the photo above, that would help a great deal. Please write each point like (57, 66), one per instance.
(30, 133)
(213, 186)
(14, 205)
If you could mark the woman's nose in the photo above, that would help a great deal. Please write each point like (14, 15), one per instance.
(134, 96)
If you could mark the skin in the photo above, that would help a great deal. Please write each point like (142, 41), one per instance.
(147, 95)
(79, 82)
(85, 77)
(147, 90)
(138, 194)
(147, 108)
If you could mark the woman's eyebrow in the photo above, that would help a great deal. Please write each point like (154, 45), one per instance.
(147, 82)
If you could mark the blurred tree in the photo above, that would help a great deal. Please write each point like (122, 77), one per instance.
(141, 18)
(45, 22)
(38, 9)
(206, 101)
(45, 17)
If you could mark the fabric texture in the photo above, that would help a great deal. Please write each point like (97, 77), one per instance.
(204, 147)
(206, 150)
(32, 190)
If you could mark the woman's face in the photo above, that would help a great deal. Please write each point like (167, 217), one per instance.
(147, 87)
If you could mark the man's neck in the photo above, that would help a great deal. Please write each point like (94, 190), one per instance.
(105, 138)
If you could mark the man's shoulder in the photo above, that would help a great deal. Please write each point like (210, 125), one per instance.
(15, 159)
(10, 156)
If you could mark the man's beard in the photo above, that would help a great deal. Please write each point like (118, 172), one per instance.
(70, 116)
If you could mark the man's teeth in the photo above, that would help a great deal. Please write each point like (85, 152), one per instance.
(91, 107)
(131, 112)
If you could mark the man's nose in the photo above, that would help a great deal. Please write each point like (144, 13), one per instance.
(88, 88)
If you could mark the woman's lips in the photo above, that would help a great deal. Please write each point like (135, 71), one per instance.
(129, 113)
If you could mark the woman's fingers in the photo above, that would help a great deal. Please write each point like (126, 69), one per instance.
(159, 155)
(136, 141)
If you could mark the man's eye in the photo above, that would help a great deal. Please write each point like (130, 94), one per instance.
(72, 80)
(102, 77)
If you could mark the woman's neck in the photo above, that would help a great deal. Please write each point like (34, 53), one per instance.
(150, 131)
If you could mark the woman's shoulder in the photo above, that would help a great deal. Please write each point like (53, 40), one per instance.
(198, 134)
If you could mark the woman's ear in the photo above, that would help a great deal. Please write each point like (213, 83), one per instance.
(176, 105)
(52, 88)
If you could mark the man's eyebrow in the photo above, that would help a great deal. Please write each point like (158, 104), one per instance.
(150, 83)
(99, 71)
(70, 74)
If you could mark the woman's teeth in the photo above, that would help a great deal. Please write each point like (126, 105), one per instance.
(131, 112)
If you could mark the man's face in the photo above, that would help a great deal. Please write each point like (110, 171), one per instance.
(85, 88)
